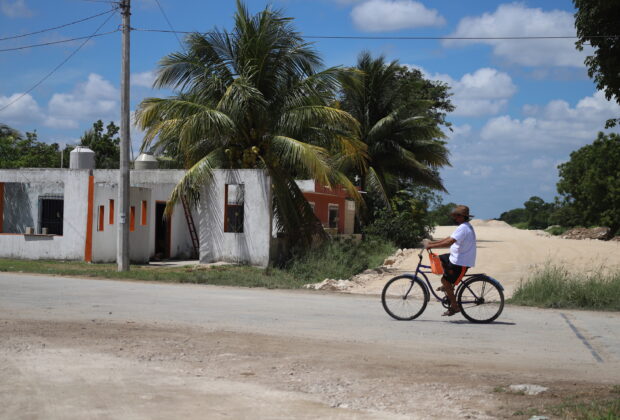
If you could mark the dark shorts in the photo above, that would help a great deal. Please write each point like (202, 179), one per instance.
(451, 272)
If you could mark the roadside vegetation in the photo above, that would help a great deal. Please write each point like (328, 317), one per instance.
(331, 260)
(555, 287)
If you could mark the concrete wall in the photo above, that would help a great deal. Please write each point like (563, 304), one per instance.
(161, 183)
(252, 246)
(21, 204)
(105, 239)
(49, 181)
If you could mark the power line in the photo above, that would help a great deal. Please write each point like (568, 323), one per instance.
(169, 24)
(58, 27)
(44, 44)
(48, 75)
(421, 38)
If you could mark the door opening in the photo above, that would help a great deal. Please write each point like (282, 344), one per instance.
(162, 231)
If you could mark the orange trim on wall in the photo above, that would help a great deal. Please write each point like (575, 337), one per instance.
(132, 218)
(101, 218)
(111, 212)
(1, 205)
(88, 247)
(143, 215)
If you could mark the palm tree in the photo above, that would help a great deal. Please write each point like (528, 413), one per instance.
(254, 97)
(403, 135)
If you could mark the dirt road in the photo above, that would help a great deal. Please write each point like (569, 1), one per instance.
(72, 348)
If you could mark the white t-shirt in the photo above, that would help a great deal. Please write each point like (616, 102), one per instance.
(463, 251)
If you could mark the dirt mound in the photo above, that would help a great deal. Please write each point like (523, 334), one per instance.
(490, 223)
(601, 233)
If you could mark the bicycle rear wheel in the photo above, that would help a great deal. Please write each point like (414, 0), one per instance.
(481, 300)
(404, 298)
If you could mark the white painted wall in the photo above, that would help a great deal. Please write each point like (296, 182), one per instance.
(252, 246)
(71, 244)
(161, 182)
(105, 241)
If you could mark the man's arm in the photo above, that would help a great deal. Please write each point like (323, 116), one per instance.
(443, 243)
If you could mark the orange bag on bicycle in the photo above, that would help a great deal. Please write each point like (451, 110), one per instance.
(436, 267)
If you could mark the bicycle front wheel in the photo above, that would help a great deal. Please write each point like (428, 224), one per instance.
(481, 300)
(404, 298)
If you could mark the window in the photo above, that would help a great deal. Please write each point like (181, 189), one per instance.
(111, 221)
(51, 209)
(132, 218)
(333, 216)
(101, 218)
(233, 211)
(143, 215)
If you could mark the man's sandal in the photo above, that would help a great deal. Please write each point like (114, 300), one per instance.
(441, 289)
(451, 312)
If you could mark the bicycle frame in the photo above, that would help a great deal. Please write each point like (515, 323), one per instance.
(462, 284)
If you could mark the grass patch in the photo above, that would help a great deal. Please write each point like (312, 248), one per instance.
(339, 259)
(608, 409)
(333, 260)
(221, 275)
(555, 287)
(556, 230)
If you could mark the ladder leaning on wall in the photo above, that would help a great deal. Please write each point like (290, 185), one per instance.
(191, 226)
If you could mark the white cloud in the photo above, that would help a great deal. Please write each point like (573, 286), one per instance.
(144, 79)
(554, 126)
(94, 99)
(515, 19)
(483, 92)
(394, 15)
(15, 9)
(23, 111)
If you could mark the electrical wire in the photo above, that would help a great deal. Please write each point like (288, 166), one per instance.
(169, 24)
(59, 27)
(48, 75)
(396, 38)
(44, 44)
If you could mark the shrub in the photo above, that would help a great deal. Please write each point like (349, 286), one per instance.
(339, 259)
(405, 224)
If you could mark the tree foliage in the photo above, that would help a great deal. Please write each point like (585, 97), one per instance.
(400, 115)
(589, 182)
(26, 151)
(105, 145)
(597, 23)
(255, 97)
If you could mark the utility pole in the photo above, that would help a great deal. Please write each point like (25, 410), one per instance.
(122, 248)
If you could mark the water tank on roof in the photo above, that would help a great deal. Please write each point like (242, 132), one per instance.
(82, 158)
(145, 161)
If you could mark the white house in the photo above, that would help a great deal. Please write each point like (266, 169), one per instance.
(73, 214)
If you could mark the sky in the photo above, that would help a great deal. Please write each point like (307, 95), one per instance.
(522, 106)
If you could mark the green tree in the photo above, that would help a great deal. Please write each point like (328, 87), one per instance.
(514, 216)
(19, 151)
(597, 25)
(589, 182)
(537, 212)
(105, 145)
(441, 214)
(255, 97)
(400, 116)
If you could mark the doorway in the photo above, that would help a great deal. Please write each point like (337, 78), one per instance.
(162, 231)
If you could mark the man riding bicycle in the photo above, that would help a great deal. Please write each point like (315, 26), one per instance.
(462, 256)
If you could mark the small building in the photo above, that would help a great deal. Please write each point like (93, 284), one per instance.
(74, 214)
(332, 206)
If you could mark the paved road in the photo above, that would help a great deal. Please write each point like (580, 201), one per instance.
(568, 343)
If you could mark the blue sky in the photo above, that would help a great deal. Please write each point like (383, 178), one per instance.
(522, 106)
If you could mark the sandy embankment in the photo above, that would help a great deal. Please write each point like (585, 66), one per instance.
(511, 254)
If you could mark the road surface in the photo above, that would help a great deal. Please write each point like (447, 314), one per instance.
(83, 348)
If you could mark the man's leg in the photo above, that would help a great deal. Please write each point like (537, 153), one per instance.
(449, 289)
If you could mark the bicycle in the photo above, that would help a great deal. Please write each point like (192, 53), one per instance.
(480, 297)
